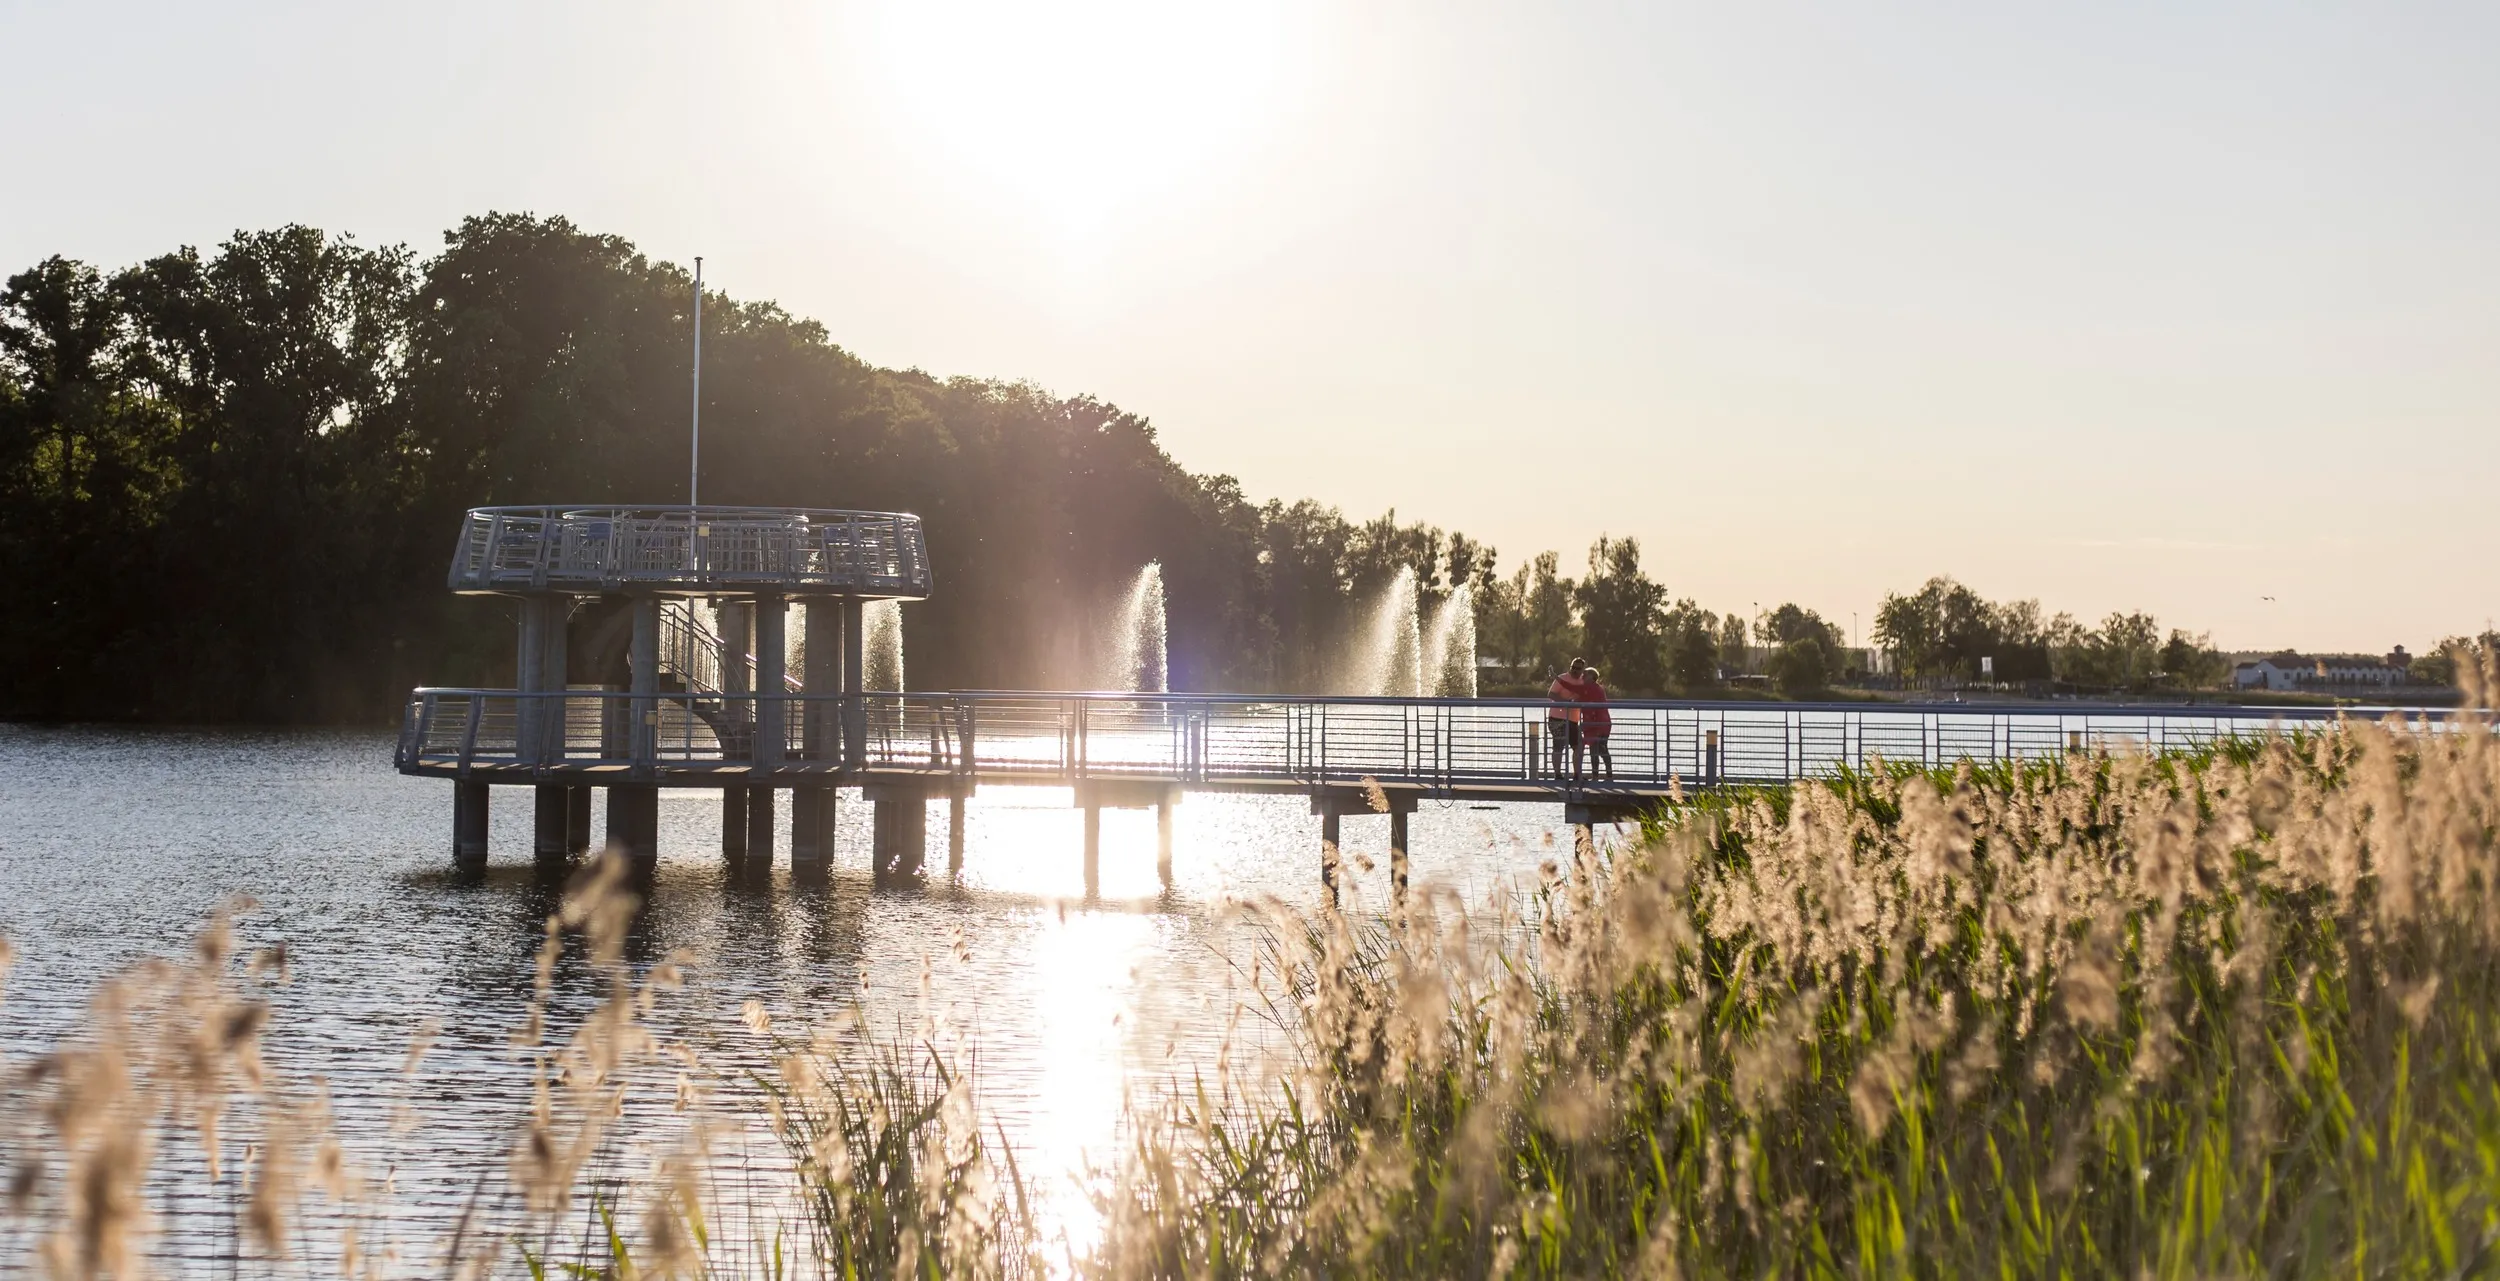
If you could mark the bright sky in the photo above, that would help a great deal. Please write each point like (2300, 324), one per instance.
(2168, 306)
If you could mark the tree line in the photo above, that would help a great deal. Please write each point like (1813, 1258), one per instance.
(1533, 622)
(230, 479)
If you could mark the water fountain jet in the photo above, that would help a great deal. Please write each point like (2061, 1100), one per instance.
(881, 663)
(1136, 660)
(1391, 663)
(1450, 646)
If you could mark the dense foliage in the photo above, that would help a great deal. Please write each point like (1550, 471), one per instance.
(229, 481)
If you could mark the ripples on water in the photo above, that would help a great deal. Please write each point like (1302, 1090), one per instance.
(115, 844)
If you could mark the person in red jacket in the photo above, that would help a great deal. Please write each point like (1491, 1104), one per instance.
(1562, 720)
(1596, 723)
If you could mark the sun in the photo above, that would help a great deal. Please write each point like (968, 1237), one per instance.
(1085, 112)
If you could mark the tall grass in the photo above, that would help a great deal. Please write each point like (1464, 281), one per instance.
(2223, 1013)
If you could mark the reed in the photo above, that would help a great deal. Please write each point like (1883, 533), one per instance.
(2231, 1012)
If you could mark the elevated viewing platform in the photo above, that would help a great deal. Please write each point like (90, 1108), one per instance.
(692, 551)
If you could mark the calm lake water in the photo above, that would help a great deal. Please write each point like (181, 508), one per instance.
(116, 843)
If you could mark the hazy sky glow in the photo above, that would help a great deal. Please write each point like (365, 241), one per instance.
(2172, 307)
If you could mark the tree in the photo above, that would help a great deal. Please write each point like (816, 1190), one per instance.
(1789, 623)
(1944, 629)
(1691, 643)
(1620, 615)
(1801, 666)
(2191, 662)
(1734, 654)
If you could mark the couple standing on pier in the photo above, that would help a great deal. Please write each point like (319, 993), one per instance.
(1579, 722)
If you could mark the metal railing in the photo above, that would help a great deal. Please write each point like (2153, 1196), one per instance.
(702, 661)
(1219, 741)
(692, 549)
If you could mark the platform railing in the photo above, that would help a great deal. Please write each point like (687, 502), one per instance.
(1250, 741)
(691, 549)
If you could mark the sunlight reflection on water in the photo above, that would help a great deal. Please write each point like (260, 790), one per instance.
(114, 843)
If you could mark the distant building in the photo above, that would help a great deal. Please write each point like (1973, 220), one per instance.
(2288, 671)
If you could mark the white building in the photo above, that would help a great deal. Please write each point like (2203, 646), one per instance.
(2289, 671)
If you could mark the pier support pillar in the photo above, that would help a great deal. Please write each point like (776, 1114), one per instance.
(551, 829)
(733, 824)
(759, 829)
(1163, 841)
(1397, 859)
(772, 691)
(644, 658)
(468, 825)
(1334, 804)
(1093, 851)
(576, 821)
(901, 833)
(811, 831)
(955, 834)
(1329, 830)
(854, 685)
(820, 674)
(634, 823)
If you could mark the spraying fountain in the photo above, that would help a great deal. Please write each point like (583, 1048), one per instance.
(1134, 658)
(882, 645)
(1391, 663)
(1450, 646)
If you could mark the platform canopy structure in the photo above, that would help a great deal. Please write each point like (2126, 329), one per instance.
(637, 623)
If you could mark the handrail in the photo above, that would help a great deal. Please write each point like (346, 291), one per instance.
(799, 551)
(1442, 746)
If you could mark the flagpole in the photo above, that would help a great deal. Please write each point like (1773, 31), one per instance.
(694, 469)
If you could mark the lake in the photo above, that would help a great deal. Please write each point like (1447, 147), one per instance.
(116, 843)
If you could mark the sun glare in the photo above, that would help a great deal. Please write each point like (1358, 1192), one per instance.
(1085, 112)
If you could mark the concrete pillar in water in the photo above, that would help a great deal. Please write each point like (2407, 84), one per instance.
(955, 834)
(1329, 830)
(1163, 840)
(634, 822)
(759, 829)
(1397, 857)
(811, 830)
(468, 824)
(552, 823)
(577, 820)
(733, 824)
(901, 832)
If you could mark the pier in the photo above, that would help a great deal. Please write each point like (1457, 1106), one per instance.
(625, 687)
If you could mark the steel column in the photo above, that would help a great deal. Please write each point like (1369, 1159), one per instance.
(772, 689)
(645, 659)
(854, 683)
